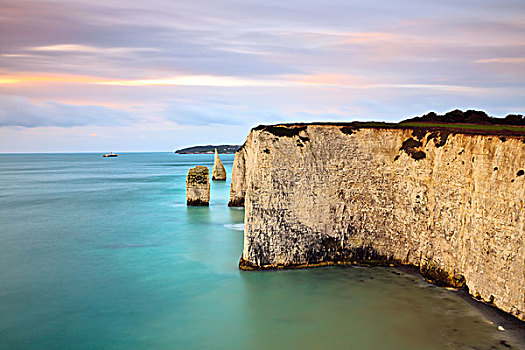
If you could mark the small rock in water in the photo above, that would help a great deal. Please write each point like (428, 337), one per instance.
(505, 344)
(500, 328)
(218, 172)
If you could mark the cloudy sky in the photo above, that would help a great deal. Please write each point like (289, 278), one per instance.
(115, 75)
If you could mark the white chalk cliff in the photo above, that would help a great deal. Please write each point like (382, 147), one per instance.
(449, 202)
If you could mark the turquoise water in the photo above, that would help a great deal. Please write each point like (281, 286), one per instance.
(102, 253)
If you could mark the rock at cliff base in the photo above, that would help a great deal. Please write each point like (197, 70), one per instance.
(198, 186)
(218, 173)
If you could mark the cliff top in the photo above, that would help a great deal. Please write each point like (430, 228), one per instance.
(457, 121)
(469, 117)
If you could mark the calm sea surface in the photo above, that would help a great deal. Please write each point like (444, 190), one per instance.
(102, 253)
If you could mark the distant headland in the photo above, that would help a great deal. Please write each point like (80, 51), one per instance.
(209, 149)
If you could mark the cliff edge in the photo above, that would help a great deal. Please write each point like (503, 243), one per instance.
(447, 201)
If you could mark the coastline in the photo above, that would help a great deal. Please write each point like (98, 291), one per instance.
(514, 327)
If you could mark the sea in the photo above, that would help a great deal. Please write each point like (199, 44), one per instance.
(103, 253)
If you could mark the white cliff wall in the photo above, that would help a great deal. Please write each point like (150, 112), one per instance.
(451, 204)
(238, 185)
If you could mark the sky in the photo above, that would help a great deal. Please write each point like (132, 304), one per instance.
(114, 75)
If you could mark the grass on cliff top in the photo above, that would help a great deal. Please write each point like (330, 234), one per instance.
(291, 129)
(466, 126)
(482, 128)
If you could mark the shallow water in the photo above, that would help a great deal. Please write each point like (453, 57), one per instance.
(102, 253)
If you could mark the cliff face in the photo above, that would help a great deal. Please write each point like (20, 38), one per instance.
(239, 175)
(452, 204)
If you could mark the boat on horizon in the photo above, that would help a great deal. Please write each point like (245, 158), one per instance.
(111, 154)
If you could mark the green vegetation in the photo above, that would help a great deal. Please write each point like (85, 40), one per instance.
(464, 126)
(513, 128)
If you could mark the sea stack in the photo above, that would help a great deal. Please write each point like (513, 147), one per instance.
(218, 173)
(198, 186)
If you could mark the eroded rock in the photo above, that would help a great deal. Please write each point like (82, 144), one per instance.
(198, 186)
(218, 173)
